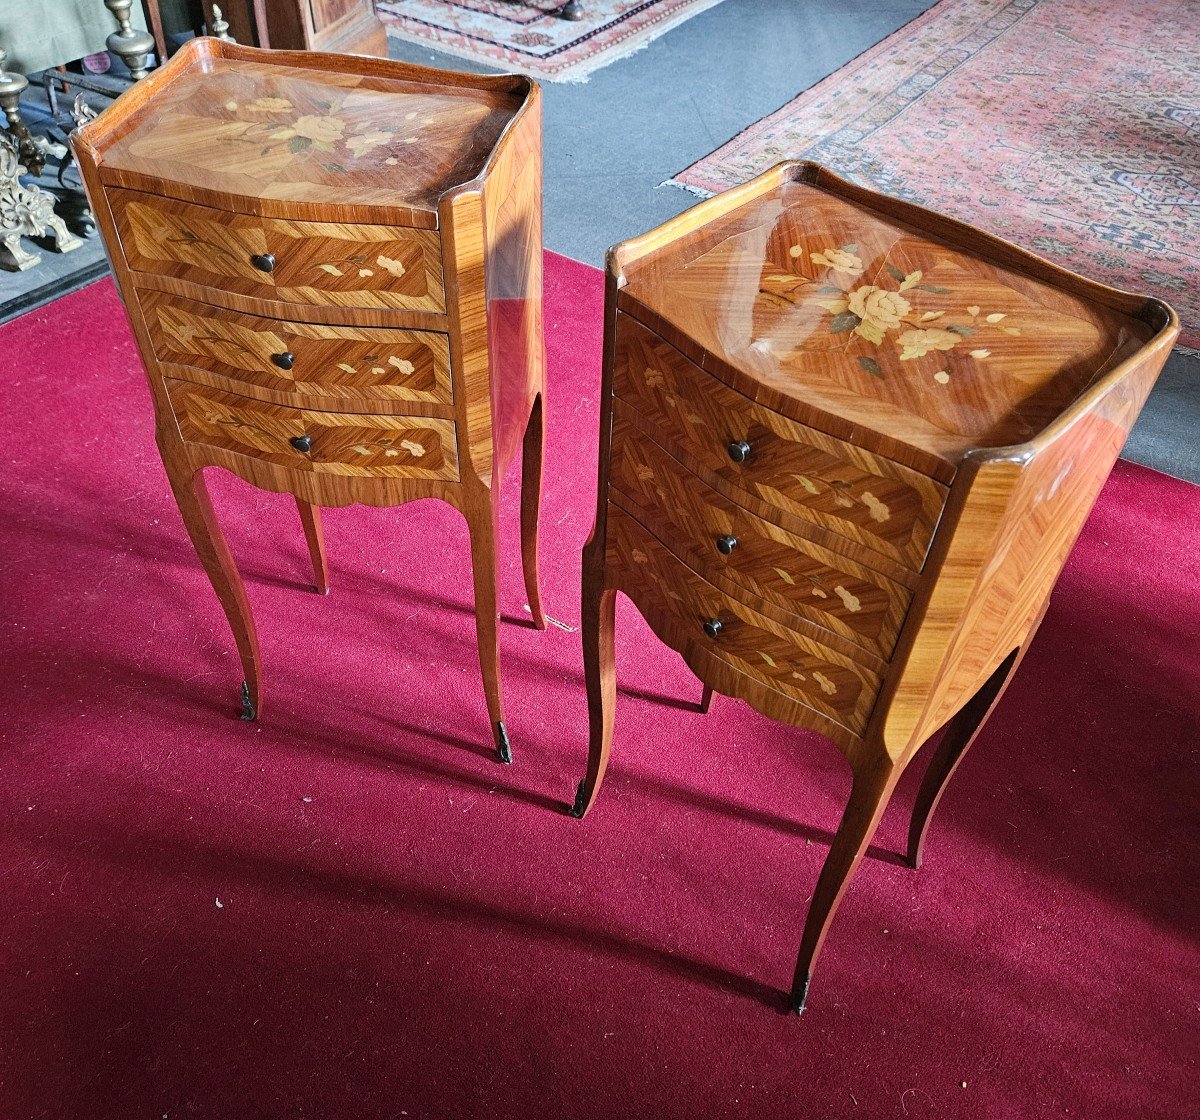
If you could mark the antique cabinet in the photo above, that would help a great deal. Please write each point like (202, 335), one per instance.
(846, 445)
(343, 26)
(332, 266)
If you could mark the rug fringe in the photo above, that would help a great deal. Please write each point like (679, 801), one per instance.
(699, 192)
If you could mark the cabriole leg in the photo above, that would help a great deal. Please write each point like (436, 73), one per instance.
(962, 732)
(191, 494)
(487, 618)
(532, 458)
(599, 668)
(314, 534)
(706, 700)
(873, 784)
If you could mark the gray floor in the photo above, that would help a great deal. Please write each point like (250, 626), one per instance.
(611, 141)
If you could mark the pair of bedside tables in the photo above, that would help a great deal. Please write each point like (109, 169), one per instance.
(845, 444)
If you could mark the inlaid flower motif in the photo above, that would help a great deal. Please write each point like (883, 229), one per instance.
(918, 343)
(365, 141)
(889, 317)
(840, 260)
(269, 105)
(319, 129)
(879, 310)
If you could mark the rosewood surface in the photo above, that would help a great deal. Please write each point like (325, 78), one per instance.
(846, 445)
(332, 266)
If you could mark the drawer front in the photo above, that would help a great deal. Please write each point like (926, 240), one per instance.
(341, 444)
(863, 497)
(795, 666)
(310, 262)
(337, 363)
(720, 540)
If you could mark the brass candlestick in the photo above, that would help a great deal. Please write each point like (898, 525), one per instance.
(134, 48)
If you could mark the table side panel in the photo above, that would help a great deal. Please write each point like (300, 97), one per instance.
(1013, 523)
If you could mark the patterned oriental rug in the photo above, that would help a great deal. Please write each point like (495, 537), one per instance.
(532, 38)
(1071, 127)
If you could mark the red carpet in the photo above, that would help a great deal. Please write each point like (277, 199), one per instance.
(406, 928)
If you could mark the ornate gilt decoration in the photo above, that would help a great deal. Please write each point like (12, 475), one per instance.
(26, 211)
(12, 85)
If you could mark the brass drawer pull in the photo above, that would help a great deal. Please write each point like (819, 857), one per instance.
(726, 544)
(713, 627)
(264, 262)
(285, 360)
(739, 450)
(301, 443)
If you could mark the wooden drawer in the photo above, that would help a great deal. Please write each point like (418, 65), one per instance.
(795, 666)
(311, 262)
(340, 364)
(342, 444)
(729, 546)
(806, 473)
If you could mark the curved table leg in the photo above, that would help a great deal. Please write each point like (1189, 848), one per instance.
(192, 497)
(314, 534)
(533, 454)
(599, 666)
(869, 795)
(483, 527)
(963, 730)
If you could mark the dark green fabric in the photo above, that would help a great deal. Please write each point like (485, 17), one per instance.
(39, 34)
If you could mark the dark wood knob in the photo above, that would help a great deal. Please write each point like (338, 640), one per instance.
(285, 360)
(739, 450)
(301, 443)
(726, 544)
(713, 627)
(264, 262)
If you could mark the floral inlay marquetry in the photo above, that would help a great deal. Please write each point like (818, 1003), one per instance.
(299, 135)
(893, 312)
(852, 315)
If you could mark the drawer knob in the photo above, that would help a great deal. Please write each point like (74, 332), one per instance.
(713, 627)
(301, 443)
(726, 544)
(285, 360)
(264, 262)
(739, 450)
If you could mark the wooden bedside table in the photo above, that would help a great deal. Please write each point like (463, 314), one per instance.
(846, 445)
(333, 267)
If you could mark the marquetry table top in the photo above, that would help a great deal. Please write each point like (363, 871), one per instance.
(292, 133)
(941, 343)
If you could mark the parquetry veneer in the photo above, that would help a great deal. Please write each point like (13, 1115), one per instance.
(845, 447)
(332, 266)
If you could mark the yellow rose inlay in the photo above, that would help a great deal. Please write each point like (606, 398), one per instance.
(319, 129)
(879, 310)
(918, 343)
(840, 260)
